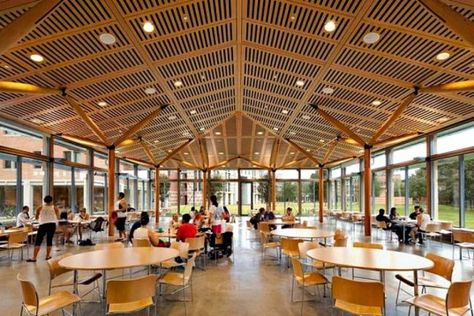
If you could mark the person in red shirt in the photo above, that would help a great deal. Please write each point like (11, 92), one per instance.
(186, 230)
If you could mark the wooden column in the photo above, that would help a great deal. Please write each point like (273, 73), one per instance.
(157, 195)
(367, 189)
(273, 189)
(111, 188)
(204, 188)
(321, 194)
(429, 177)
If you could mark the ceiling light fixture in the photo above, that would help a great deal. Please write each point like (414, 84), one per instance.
(178, 83)
(217, 133)
(202, 129)
(102, 103)
(306, 117)
(169, 150)
(203, 77)
(376, 102)
(292, 17)
(148, 27)
(260, 133)
(292, 133)
(321, 140)
(308, 150)
(327, 90)
(299, 83)
(185, 18)
(371, 38)
(443, 56)
(284, 111)
(256, 153)
(107, 38)
(150, 90)
(442, 119)
(37, 58)
(221, 153)
(156, 141)
(172, 117)
(275, 128)
(186, 154)
(37, 121)
(330, 26)
(292, 152)
(192, 112)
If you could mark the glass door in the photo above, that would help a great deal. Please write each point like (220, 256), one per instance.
(246, 198)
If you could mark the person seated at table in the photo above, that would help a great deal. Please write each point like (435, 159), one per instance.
(226, 215)
(415, 213)
(199, 220)
(382, 218)
(422, 219)
(83, 216)
(268, 215)
(257, 218)
(288, 217)
(24, 217)
(144, 232)
(174, 223)
(67, 228)
(135, 226)
(393, 214)
(186, 230)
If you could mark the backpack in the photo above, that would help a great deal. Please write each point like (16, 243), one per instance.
(96, 225)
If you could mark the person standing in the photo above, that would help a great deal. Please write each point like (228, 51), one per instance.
(47, 215)
(24, 217)
(121, 210)
(216, 212)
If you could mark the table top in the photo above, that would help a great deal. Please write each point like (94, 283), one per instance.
(118, 258)
(279, 222)
(302, 233)
(370, 259)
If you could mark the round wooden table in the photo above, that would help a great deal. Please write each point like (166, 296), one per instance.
(373, 259)
(118, 258)
(280, 222)
(303, 233)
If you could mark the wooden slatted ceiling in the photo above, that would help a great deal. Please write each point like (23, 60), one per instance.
(281, 42)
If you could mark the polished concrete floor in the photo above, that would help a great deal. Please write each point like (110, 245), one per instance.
(241, 285)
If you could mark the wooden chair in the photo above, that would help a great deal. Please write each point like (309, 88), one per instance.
(196, 245)
(131, 295)
(457, 301)
(382, 226)
(180, 280)
(464, 240)
(443, 268)
(369, 245)
(183, 249)
(305, 280)
(55, 270)
(432, 230)
(266, 244)
(264, 227)
(358, 297)
(141, 242)
(289, 247)
(33, 305)
(107, 246)
(304, 247)
(16, 241)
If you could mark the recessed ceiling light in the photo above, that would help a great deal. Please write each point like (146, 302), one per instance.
(156, 141)
(260, 133)
(330, 26)
(376, 102)
(102, 103)
(292, 152)
(292, 133)
(284, 111)
(299, 83)
(217, 133)
(169, 150)
(186, 154)
(221, 153)
(148, 27)
(327, 90)
(321, 140)
(472, 64)
(275, 76)
(275, 128)
(37, 58)
(371, 38)
(117, 151)
(186, 134)
(185, 18)
(193, 112)
(203, 77)
(308, 150)
(107, 38)
(178, 83)
(292, 17)
(256, 153)
(37, 121)
(443, 56)
(306, 117)
(172, 117)
(202, 129)
(6, 66)
(442, 119)
(150, 90)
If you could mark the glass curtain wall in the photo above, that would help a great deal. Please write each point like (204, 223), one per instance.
(379, 191)
(8, 190)
(447, 193)
(309, 192)
(287, 190)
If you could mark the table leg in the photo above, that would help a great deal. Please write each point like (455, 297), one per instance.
(415, 290)
(104, 284)
(75, 291)
(339, 270)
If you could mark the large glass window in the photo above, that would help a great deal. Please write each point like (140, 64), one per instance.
(469, 190)
(99, 192)
(13, 138)
(413, 151)
(81, 180)
(447, 193)
(32, 182)
(286, 196)
(453, 139)
(417, 186)
(70, 152)
(379, 191)
(227, 193)
(224, 174)
(398, 183)
(309, 191)
(101, 161)
(169, 191)
(7, 186)
(378, 161)
(62, 193)
(291, 174)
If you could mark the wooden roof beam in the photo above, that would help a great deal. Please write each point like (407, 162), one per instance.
(255, 163)
(82, 140)
(392, 118)
(147, 151)
(16, 30)
(185, 163)
(26, 88)
(455, 21)
(204, 153)
(291, 163)
(460, 86)
(174, 151)
(89, 122)
(331, 149)
(343, 128)
(304, 152)
(223, 163)
(396, 139)
(275, 149)
(138, 126)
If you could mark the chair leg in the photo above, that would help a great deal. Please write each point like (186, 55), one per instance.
(398, 292)
(409, 310)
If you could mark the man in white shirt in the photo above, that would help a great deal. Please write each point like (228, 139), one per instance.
(24, 217)
(422, 219)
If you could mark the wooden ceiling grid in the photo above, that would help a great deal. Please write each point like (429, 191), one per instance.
(234, 56)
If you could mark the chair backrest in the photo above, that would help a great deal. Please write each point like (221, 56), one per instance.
(131, 290)
(358, 292)
(381, 225)
(97, 224)
(264, 227)
(249, 225)
(458, 294)
(297, 268)
(357, 244)
(188, 269)
(303, 247)
(433, 227)
(341, 242)
(17, 237)
(196, 243)
(462, 236)
(443, 267)
(182, 247)
(106, 246)
(55, 269)
(141, 242)
(446, 225)
(28, 291)
(263, 237)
